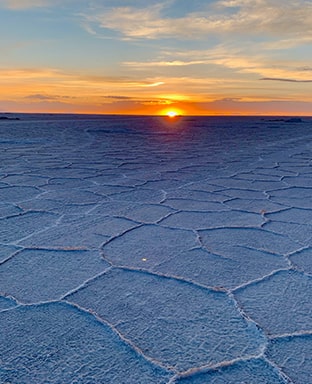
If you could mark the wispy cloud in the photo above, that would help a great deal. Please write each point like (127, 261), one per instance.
(29, 73)
(117, 97)
(31, 85)
(45, 97)
(18, 5)
(305, 69)
(129, 21)
(237, 61)
(40, 96)
(138, 100)
(275, 18)
(287, 80)
(155, 84)
(173, 63)
(24, 4)
(56, 75)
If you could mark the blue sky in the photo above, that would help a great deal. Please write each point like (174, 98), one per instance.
(199, 57)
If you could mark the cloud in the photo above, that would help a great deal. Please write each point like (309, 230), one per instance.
(16, 74)
(130, 21)
(41, 97)
(246, 60)
(73, 78)
(287, 80)
(51, 86)
(155, 84)
(118, 97)
(98, 80)
(19, 5)
(229, 99)
(45, 97)
(125, 99)
(305, 68)
(174, 63)
(24, 4)
(275, 18)
(285, 44)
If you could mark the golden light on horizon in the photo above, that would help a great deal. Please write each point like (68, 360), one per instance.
(172, 114)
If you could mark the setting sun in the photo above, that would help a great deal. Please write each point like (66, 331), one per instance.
(172, 114)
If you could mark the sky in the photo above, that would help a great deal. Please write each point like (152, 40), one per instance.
(195, 57)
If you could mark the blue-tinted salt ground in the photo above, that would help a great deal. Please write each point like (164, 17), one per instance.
(155, 250)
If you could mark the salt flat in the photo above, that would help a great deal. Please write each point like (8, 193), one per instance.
(155, 250)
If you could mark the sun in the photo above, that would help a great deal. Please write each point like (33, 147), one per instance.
(172, 114)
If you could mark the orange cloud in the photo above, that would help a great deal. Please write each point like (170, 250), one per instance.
(52, 90)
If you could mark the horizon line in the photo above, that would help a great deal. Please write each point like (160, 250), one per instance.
(152, 115)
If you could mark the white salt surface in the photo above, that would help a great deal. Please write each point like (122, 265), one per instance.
(147, 250)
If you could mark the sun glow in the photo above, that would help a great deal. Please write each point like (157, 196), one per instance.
(172, 114)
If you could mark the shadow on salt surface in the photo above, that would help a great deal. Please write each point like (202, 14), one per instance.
(303, 259)
(7, 251)
(257, 371)
(73, 196)
(293, 354)
(170, 321)
(224, 263)
(79, 231)
(212, 219)
(252, 205)
(301, 233)
(297, 197)
(195, 205)
(203, 267)
(8, 210)
(222, 240)
(37, 275)
(57, 343)
(151, 242)
(17, 227)
(280, 304)
(6, 303)
(142, 195)
(16, 193)
(299, 181)
(292, 215)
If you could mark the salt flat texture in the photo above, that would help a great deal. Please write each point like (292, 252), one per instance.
(148, 250)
